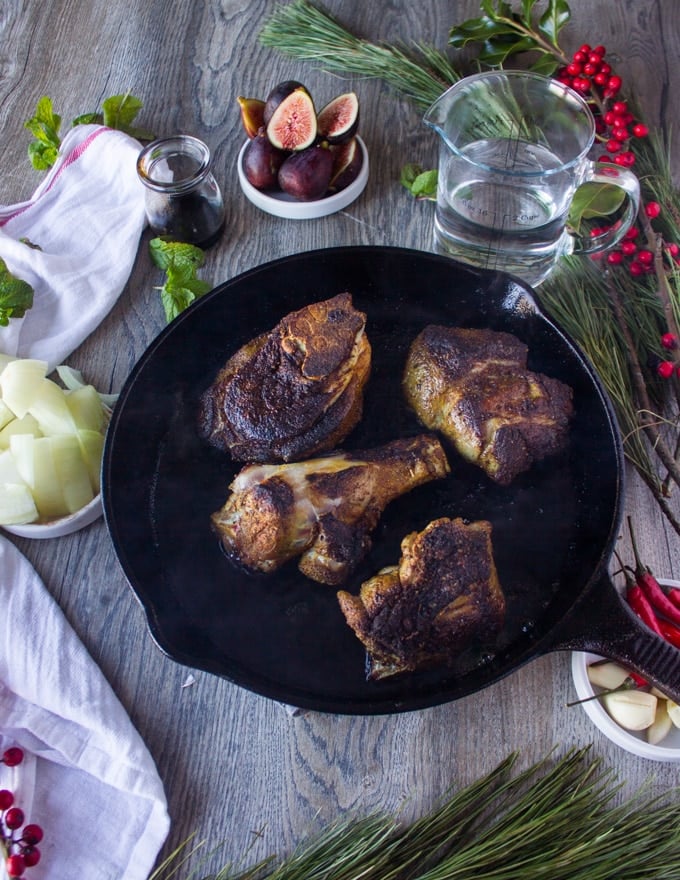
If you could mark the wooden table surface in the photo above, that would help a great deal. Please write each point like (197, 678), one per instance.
(236, 766)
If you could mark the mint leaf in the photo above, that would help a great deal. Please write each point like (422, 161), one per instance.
(179, 261)
(120, 111)
(16, 296)
(88, 119)
(44, 125)
(421, 184)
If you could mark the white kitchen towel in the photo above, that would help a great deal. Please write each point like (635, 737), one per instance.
(86, 219)
(95, 788)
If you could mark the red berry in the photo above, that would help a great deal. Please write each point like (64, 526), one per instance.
(600, 78)
(652, 209)
(579, 57)
(590, 69)
(631, 233)
(636, 269)
(640, 130)
(14, 818)
(610, 117)
(599, 50)
(581, 84)
(628, 248)
(574, 69)
(32, 834)
(645, 257)
(31, 856)
(666, 369)
(585, 48)
(13, 756)
(627, 159)
(15, 865)
(605, 68)
(6, 799)
(613, 146)
(669, 341)
(613, 85)
(615, 258)
(673, 249)
(620, 134)
(620, 107)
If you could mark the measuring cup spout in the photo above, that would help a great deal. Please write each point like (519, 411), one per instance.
(436, 117)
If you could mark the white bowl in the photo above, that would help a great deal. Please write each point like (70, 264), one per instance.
(632, 741)
(280, 204)
(65, 525)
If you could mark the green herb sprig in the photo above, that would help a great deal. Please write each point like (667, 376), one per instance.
(16, 296)
(560, 819)
(180, 262)
(118, 111)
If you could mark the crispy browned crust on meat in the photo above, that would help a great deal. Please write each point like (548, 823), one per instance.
(295, 391)
(321, 510)
(474, 386)
(424, 611)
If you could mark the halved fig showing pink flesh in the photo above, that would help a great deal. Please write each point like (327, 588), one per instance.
(277, 94)
(293, 123)
(347, 162)
(339, 119)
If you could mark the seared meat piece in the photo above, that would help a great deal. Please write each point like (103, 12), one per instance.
(427, 609)
(322, 510)
(474, 387)
(292, 392)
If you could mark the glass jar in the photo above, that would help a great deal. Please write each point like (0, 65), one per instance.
(183, 200)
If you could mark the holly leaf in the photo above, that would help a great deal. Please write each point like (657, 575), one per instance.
(593, 200)
(545, 64)
(479, 30)
(496, 53)
(554, 19)
(16, 296)
(179, 260)
(421, 184)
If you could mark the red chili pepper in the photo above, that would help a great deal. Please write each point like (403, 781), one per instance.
(642, 607)
(670, 632)
(674, 596)
(650, 586)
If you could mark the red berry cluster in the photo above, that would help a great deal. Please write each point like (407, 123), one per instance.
(590, 75)
(639, 260)
(667, 368)
(20, 844)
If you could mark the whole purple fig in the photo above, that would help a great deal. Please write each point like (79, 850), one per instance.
(261, 162)
(305, 175)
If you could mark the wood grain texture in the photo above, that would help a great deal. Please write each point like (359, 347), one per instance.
(236, 767)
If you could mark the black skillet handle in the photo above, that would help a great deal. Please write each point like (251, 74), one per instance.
(603, 624)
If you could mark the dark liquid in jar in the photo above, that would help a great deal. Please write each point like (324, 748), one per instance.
(191, 217)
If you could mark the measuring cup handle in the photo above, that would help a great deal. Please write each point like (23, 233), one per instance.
(613, 175)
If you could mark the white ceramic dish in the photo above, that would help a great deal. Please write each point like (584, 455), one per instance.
(632, 741)
(65, 525)
(282, 205)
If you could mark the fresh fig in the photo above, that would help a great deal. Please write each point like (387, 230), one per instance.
(348, 160)
(262, 161)
(338, 121)
(277, 94)
(293, 123)
(305, 175)
(252, 114)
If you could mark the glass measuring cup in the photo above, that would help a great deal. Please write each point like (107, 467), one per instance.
(513, 152)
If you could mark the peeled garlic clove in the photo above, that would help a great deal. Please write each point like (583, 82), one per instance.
(673, 712)
(661, 726)
(657, 693)
(607, 675)
(634, 710)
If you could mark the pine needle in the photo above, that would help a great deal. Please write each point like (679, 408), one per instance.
(302, 31)
(560, 819)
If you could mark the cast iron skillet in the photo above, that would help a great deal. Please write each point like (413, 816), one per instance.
(283, 636)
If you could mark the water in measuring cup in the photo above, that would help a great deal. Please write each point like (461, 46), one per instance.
(513, 221)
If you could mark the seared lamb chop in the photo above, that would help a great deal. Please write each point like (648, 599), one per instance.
(295, 391)
(425, 610)
(323, 509)
(474, 387)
